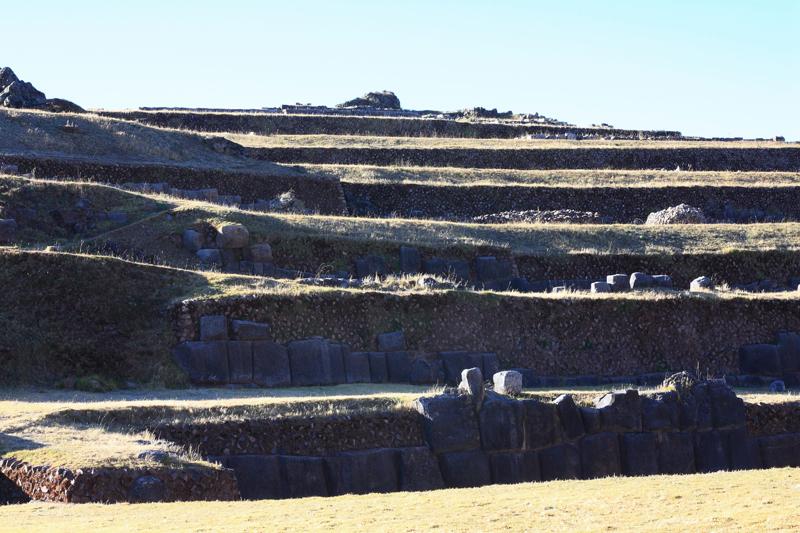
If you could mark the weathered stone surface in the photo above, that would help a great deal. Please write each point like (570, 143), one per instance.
(356, 365)
(426, 372)
(271, 364)
(662, 281)
(618, 282)
(676, 453)
(779, 451)
(514, 467)
(681, 382)
(727, 410)
(410, 261)
(146, 489)
(640, 280)
(419, 470)
(449, 423)
(489, 268)
(639, 454)
(209, 257)
(491, 364)
(456, 362)
(542, 427)
(371, 265)
(378, 369)
(507, 382)
(620, 411)
(232, 236)
(591, 419)
(261, 253)
(472, 385)
(501, 425)
(398, 365)
(679, 214)
(304, 476)
(703, 283)
(310, 362)
(777, 386)
(661, 412)
(246, 330)
(744, 450)
(394, 341)
(600, 455)
(240, 362)
(560, 462)
(465, 469)
(760, 359)
(213, 328)
(789, 351)
(710, 451)
(362, 472)
(259, 476)
(601, 287)
(570, 417)
(377, 99)
(206, 362)
(192, 240)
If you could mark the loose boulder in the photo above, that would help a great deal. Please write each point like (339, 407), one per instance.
(379, 100)
(232, 236)
(680, 214)
(508, 382)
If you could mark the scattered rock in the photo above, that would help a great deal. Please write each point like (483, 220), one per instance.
(232, 236)
(680, 214)
(601, 286)
(508, 382)
(261, 253)
(681, 382)
(380, 100)
(472, 384)
(702, 283)
(558, 216)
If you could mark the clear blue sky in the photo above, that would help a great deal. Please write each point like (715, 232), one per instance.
(726, 68)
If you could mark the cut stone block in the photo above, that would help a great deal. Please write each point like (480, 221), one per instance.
(542, 427)
(399, 367)
(337, 352)
(501, 425)
(192, 240)
(232, 236)
(760, 359)
(789, 351)
(621, 411)
(661, 413)
(356, 366)
(271, 364)
(662, 281)
(378, 369)
(449, 423)
(419, 470)
(426, 372)
(744, 450)
(727, 409)
(601, 287)
(209, 257)
(213, 328)
(508, 382)
(514, 467)
(240, 362)
(246, 330)
(491, 364)
(639, 454)
(640, 280)
(600, 455)
(560, 462)
(206, 362)
(710, 451)
(676, 453)
(394, 341)
(258, 476)
(591, 419)
(261, 253)
(362, 472)
(465, 469)
(472, 385)
(310, 362)
(410, 261)
(700, 284)
(570, 417)
(371, 265)
(456, 362)
(779, 451)
(304, 476)
(618, 282)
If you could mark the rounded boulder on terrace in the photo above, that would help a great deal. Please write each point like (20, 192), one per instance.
(680, 214)
(232, 236)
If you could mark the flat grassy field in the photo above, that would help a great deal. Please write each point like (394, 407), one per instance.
(760, 500)
(363, 141)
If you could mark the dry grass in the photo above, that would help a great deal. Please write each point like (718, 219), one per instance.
(362, 141)
(553, 178)
(759, 500)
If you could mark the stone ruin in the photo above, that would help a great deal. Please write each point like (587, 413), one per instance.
(379, 100)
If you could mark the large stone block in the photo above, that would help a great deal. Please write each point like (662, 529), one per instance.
(261, 253)
(398, 365)
(258, 476)
(591, 419)
(213, 328)
(455, 362)
(560, 462)
(542, 427)
(789, 351)
(508, 382)
(240, 362)
(209, 257)
(744, 450)
(410, 261)
(491, 364)
(489, 269)
(514, 467)
(618, 282)
(394, 341)
(371, 265)
(640, 280)
(337, 352)
(378, 369)
(232, 236)
(449, 423)
(419, 470)
(501, 424)
(570, 417)
(304, 476)
(271, 366)
(206, 362)
(246, 330)
(465, 469)
(762, 359)
(621, 411)
(779, 451)
(661, 412)
(676, 453)
(362, 472)
(426, 372)
(192, 240)
(458, 269)
(600, 455)
(727, 410)
(710, 451)
(310, 362)
(356, 365)
(639, 454)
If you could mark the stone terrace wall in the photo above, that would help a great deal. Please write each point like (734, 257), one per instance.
(551, 336)
(322, 194)
(342, 125)
(622, 204)
(740, 267)
(775, 159)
